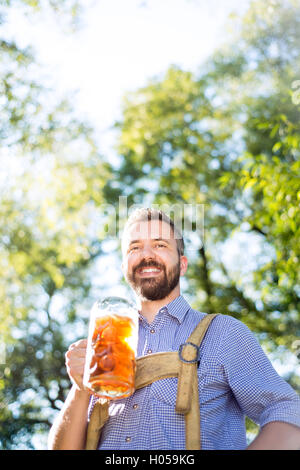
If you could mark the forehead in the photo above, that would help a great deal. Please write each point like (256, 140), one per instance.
(149, 230)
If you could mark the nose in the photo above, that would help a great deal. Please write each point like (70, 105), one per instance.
(147, 252)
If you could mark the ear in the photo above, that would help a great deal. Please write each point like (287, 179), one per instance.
(183, 265)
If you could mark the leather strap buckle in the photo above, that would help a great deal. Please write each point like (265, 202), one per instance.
(188, 361)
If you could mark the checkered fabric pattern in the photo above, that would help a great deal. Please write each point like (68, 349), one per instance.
(236, 379)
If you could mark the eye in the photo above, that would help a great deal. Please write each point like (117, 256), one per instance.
(160, 245)
(133, 248)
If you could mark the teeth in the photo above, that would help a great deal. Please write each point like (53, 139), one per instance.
(150, 270)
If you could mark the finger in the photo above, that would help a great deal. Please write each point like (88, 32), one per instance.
(82, 343)
(74, 356)
(75, 350)
(78, 369)
(77, 353)
(76, 363)
(71, 359)
(76, 373)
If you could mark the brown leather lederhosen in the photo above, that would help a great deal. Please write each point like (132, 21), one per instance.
(181, 364)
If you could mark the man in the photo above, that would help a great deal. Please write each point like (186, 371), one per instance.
(235, 378)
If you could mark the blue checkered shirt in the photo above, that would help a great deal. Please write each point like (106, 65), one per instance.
(236, 379)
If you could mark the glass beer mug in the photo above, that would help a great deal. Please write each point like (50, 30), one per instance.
(111, 349)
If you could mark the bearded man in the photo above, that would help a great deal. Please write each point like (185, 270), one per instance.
(234, 377)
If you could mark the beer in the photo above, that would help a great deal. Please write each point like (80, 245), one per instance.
(110, 361)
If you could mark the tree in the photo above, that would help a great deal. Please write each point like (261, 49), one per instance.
(270, 161)
(48, 239)
(228, 138)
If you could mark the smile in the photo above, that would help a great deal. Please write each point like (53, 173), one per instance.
(146, 272)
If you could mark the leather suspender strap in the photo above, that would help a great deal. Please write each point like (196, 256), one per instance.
(97, 420)
(187, 400)
(157, 366)
(189, 353)
(192, 420)
(148, 369)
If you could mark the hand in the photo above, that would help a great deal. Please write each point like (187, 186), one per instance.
(75, 360)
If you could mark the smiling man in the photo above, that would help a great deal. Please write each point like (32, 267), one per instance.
(234, 378)
(153, 260)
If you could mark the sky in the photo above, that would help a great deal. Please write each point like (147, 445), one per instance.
(119, 46)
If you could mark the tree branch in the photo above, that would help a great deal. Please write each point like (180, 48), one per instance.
(254, 228)
(206, 280)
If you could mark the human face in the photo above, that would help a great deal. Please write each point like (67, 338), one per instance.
(151, 264)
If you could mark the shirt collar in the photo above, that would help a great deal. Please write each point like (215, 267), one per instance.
(177, 308)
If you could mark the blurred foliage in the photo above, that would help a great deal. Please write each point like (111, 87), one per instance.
(51, 191)
(226, 137)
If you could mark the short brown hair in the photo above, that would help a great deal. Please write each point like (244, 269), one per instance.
(144, 214)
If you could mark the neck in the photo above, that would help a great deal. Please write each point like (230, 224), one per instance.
(150, 308)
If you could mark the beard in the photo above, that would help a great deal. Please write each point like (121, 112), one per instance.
(156, 287)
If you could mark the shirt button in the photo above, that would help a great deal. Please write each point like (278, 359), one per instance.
(152, 330)
(149, 351)
(135, 406)
(128, 439)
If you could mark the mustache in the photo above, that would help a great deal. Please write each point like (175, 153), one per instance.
(147, 264)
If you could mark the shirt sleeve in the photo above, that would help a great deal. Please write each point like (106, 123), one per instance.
(261, 393)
